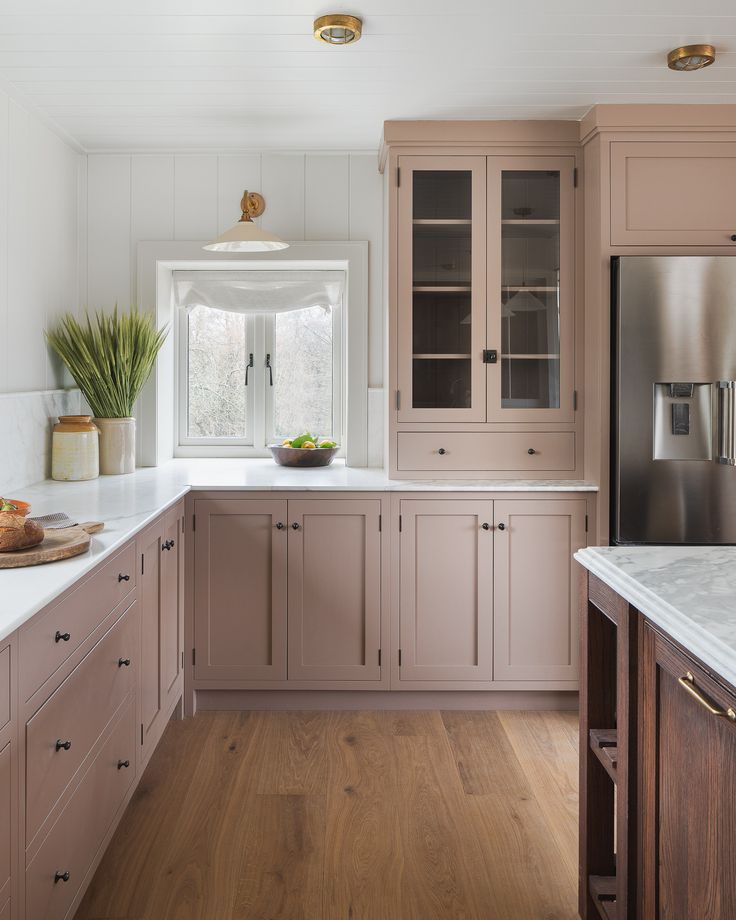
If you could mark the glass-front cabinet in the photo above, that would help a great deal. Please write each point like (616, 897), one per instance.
(485, 289)
(442, 293)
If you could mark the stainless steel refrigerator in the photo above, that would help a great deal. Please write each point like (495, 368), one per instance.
(674, 399)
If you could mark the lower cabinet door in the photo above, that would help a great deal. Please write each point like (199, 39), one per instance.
(446, 590)
(151, 697)
(6, 827)
(172, 640)
(688, 759)
(334, 590)
(240, 590)
(535, 606)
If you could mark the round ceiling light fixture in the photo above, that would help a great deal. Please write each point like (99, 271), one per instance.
(691, 57)
(338, 29)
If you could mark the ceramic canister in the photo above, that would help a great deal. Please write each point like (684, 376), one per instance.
(75, 450)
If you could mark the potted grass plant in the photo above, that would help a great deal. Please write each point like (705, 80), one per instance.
(110, 357)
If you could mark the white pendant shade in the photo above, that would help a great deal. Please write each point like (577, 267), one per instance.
(246, 236)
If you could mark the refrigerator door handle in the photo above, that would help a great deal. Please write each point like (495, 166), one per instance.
(726, 422)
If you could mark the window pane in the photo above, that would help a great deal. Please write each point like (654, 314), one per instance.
(302, 373)
(218, 350)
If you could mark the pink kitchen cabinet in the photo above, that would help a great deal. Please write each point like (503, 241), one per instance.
(334, 590)
(535, 598)
(446, 590)
(240, 548)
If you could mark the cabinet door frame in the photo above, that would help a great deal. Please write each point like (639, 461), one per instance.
(497, 165)
(458, 675)
(276, 509)
(505, 511)
(172, 559)
(404, 313)
(299, 511)
(148, 544)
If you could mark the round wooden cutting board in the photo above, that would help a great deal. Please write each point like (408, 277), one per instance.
(57, 544)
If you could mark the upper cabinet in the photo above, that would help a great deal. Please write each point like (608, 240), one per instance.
(442, 288)
(673, 194)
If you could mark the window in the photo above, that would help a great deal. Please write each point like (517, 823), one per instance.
(260, 359)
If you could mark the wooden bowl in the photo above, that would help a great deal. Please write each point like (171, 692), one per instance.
(303, 456)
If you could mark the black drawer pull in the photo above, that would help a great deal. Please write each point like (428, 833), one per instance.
(485, 526)
(61, 877)
(123, 578)
(123, 662)
(295, 526)
(501, 526)
(63, 745)
(123, 764)
(442, 451)
(280, 525)
(62, 637)
(531, 451)
(733, 237)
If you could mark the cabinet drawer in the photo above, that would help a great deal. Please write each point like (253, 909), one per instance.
(5, 824)
(42, 646)
(74, 840)
(486, 451)
(4, 686)
(78, 713)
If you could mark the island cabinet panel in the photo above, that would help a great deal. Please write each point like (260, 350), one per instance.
(673, 193)
(535, 601)
(240, 589)
(689, 782)
(172, 605)
(334, 590)
(446, 590)
(6, 837)
(150, 701)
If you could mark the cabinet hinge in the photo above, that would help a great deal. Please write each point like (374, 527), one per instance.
(379, 657)
(194, 656)
(574, 400)
(399, 657)
(398, 177)
(398, 399)
(586, 523)
(141, 734)
(194, 522)
(380, 522)
(575, 177)
(399, 523)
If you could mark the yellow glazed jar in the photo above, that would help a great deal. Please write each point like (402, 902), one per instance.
(75, 449)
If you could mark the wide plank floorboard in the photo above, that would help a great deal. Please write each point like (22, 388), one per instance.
(349, 816)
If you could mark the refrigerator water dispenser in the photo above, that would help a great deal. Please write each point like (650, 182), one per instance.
(683, 421)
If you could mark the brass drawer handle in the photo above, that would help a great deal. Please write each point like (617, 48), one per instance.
(688, 683)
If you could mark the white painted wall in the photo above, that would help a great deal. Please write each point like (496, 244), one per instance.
(136, 197)
(40, 180)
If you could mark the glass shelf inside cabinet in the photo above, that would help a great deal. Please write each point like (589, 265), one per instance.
(441, 289)
(530, 289)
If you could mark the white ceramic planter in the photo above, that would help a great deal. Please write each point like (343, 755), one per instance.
(117, 445)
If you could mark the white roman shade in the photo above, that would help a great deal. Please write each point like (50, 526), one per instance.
(259, 291)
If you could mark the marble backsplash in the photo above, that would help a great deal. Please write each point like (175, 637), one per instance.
(26, 423)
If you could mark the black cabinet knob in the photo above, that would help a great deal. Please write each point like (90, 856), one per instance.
(442, 451)
(295, 526)
(172, 544)
(63, 745)
(280, 525)
(501, 526)
(61, 877)
(123, 764)
(733, 237)
(62, 637)
(123, 662)
(123, 577)
(485, 526)
(531, 451)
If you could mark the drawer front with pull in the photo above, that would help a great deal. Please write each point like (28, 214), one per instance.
(62, 733)
(49, 639)
(483, 451)
(59, 868)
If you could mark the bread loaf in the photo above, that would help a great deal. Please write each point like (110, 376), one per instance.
(18, 533)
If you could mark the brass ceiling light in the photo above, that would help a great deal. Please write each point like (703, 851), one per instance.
(338, 29)
(691, 57)
(247, 236)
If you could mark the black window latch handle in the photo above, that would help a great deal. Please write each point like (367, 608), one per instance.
(269, 369)
(248, 365)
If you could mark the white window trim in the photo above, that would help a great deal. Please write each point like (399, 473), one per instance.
(157, 408)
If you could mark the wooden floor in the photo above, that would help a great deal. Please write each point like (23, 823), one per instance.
(350, 816)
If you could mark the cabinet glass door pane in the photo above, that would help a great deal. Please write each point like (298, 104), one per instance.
(530, 289)
(441, 289)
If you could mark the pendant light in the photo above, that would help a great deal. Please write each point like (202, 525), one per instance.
(246, 236)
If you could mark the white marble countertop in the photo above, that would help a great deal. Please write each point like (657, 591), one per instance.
(127, 503)
(688, 591)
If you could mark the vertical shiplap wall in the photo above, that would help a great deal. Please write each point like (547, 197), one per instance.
(40, 179)
(138, 197)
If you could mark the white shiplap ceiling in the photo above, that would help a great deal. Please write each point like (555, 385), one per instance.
(219, 74)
